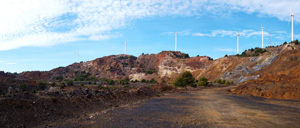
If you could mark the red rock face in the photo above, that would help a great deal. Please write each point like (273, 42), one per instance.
(120, 66)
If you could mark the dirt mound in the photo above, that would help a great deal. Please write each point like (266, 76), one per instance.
(29, 110)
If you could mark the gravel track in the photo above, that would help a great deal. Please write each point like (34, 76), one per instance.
(213, 107)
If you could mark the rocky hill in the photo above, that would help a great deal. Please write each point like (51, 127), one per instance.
(162, 66)
(278, 80)
(260, 72)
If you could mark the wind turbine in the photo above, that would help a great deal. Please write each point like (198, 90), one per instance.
(262, 36)
(237, 34)
(292, 15)
(175, 41)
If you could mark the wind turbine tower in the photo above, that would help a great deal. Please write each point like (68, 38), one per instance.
(292, 15)
(262, 36)
(175, 41)
(237, 34)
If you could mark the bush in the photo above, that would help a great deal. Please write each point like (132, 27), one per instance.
(184, 79)
(220, 81)
(70, 83)
(296, 42)
(22, 88)
(33, 91)
(42, 85)
(82, 84)
(111, 82)
(53, 84)
(203, 79)
(227, 83)
(194, 85)
(143, 81)
(62, 85)
(202, 83)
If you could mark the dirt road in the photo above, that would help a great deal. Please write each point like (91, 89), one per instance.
(204, 108)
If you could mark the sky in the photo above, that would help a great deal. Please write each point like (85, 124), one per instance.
(45, 34)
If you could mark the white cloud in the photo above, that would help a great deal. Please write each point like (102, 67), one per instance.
(202, 34)
(51, 22)
(1, 61)
(297, 37)
(246, 33)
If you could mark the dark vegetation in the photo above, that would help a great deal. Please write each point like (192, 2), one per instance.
(184, 79)
(252, 52)
(181, 56)
(187, 78)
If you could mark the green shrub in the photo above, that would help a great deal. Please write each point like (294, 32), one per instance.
(202, 83)
(194, 85)
(81, 84)
(33, 91)
(203, 79)
(62, 85)
(70, 83)
(53, 84)
(184, 79)
(296, 42)
(143, 81)
(126, 86)
(227, 83)
(23, 88)
(42, 85)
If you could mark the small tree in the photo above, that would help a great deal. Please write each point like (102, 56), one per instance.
(296, 42)
(184, 79)
(202, 81)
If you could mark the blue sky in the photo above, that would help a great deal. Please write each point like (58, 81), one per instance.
(42, 35)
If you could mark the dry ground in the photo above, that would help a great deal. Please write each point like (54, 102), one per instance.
(204, 108)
